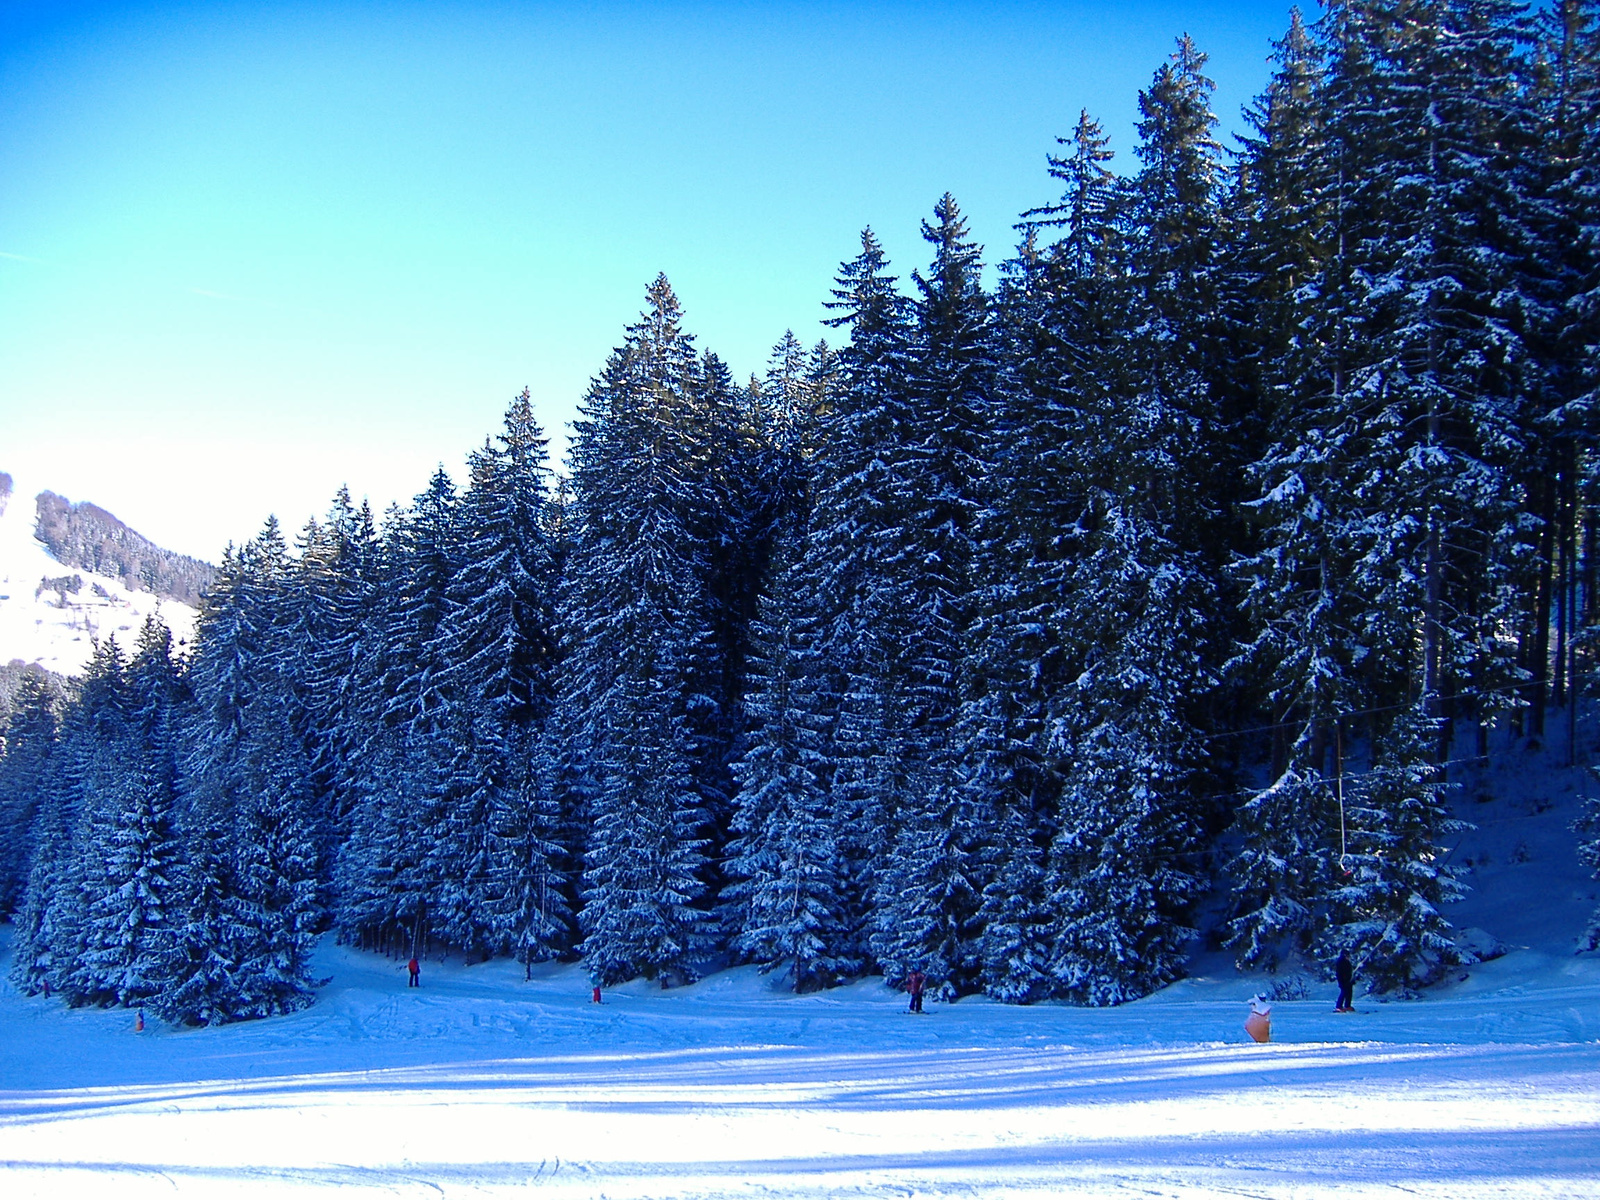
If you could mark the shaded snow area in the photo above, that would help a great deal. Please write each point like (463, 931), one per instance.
(55, 627)
(481, 1084)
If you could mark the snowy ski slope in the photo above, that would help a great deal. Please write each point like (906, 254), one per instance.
(481, 1084)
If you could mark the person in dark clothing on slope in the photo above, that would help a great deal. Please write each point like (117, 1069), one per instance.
(416, 973)
(1346, 975)
(914, 982)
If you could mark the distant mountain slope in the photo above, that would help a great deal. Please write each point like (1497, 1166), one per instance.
(51, 613)
(85, 535)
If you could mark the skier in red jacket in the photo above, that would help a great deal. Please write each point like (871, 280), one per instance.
(914, 982)
(416, 973)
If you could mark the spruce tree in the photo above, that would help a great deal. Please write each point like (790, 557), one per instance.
(199, 971)
(1059, 301)
(646, 856)
(930, 834)
(1299, 649)
(644, 640)
(274, 913)
(72, 835)
(129, 924)
(854, 525)
(1387, 909)
(25, 781)
(784, 853)
(495, 645)
(1141, 577)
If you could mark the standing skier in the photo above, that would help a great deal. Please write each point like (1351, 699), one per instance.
(914, 982)
(1346, 975)
(416, 972)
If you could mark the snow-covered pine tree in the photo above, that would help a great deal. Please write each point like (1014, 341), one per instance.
(784, 852)
(25, 781)
(1584, 306)
(495, 639)
(44, 918)
(1301, 648)
(404, 760)
(642, 623)
(1280, 221)
(495, 645)
(338, 571)
(1395, 532)
(646, 855)
(1056, 304)
(1173, 228)
(130, 924)
(1558, 294)
(534, 855)
(37, 922)
(744, 498)
(1387, 911)
(251, 778)
(784, 903)
(379, 879)
(1426, 116)
(932, 867)
(69, 875)
(198, 972)
(856, 472)
(233, 637)
(274, 912)
(424, 555)
(1121, 873)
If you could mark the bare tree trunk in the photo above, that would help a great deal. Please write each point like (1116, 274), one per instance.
(1539, 660)
(1432, 639)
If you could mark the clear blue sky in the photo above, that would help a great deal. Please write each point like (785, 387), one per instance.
(250, 251)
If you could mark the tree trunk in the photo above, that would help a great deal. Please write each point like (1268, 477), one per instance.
(1539, 661)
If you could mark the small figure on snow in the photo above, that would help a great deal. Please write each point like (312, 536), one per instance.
(1259, 1023)
(1346, 975)
(914, 983)
(595, 998)
(416, 972)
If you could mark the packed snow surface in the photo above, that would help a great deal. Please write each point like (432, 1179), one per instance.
(56, 629)
(479, 1083)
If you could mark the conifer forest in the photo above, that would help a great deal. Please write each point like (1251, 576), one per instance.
(1162, 588)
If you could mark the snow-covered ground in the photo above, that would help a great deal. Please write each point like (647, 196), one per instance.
(57, 630)
(481, 1084)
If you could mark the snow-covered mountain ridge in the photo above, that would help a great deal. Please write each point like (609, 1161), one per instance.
(51, 614)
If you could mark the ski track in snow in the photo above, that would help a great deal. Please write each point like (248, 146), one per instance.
(481, 1084)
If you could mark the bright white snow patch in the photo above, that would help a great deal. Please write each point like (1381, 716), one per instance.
(56, 630)
(479, 1084)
